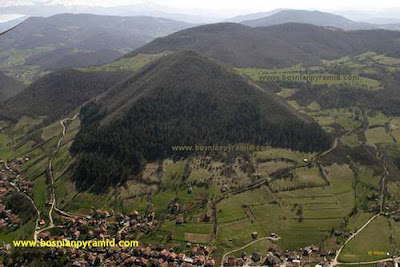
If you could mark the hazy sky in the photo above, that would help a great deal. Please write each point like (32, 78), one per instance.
(230, 7)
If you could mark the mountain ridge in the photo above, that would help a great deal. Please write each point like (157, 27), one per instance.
(274, 46)
(317, 18)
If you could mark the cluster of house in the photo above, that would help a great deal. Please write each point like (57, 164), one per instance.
(10, 171)
(108, 225)
(8, 219)
(277, 257)
(10, 176)
(5, 187)
(159, 256)
(394, 263)
(14, 165)
(104, 224)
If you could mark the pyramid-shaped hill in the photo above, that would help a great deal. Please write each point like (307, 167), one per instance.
(183, 99)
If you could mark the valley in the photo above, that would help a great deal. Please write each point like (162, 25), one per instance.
(307, 199)
(298, 125)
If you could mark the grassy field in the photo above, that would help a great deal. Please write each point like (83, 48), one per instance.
(302, 217)
(25, 232)
(304, 177)
(294, 74)
(189, 232)
(380, 135)
(128, 64)
(377, 119)
(12, 62)
(278, 153)
(358, 220)
(367, 176)
(394, 189)
(231, 208)
(371, 244)
(351, 140)
(287, 92)
(5, 146)
(341, 180)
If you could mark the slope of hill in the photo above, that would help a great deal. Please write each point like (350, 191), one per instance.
(231, 43)
(309, 17)
(183, 99)
(275, 46)
(9, 87)
(59, 93)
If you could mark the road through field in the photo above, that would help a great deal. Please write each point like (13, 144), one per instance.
(53, 199)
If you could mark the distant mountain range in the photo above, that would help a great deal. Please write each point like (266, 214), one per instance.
(46, 9)
(274, 46)
(69, 40)
(281, 16)
(310, 17)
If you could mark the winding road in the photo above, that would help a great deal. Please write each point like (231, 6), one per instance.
(336, 262)
(53, 199)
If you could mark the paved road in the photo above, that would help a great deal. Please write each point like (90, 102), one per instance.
(336, 262)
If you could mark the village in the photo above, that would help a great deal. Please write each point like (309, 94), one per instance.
(102, 224)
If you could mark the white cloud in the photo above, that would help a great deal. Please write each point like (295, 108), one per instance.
(4, 18)
(226, 7)
(6, 3)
